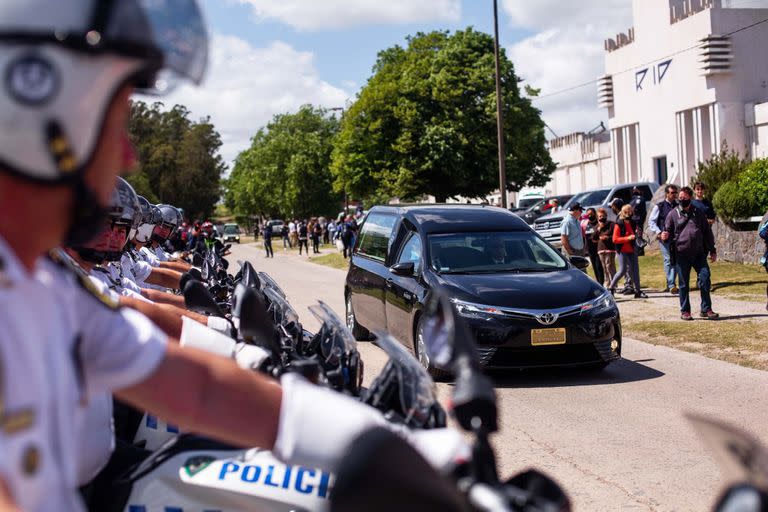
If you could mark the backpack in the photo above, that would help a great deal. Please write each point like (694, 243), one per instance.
(763, 232)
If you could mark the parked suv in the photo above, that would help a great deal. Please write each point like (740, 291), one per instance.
(527, 305)
(548, 226)
(530, 214)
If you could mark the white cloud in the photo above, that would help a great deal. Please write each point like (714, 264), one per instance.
(567, 50)
(318, 15)
(246, 86)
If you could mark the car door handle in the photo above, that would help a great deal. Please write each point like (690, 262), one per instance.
(390, 283)
(408, 296)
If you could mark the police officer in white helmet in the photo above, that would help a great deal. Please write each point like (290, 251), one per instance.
(70, 67)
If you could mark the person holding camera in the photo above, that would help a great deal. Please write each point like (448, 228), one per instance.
(690, 239)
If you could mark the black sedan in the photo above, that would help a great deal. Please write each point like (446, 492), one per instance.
(526, 304)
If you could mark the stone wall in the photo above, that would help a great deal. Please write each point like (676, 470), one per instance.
(732, 245)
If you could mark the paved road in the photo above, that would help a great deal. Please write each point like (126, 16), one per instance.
(616, 441)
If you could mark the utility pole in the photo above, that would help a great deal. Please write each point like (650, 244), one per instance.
(499, 111)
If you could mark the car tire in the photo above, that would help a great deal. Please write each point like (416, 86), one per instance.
(419, 350)
(359, 332)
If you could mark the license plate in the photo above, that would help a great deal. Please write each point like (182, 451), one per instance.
(548, 336)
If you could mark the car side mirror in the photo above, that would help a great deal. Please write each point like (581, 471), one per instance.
(406, 269)
(580, 262)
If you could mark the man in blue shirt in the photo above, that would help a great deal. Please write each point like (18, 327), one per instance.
(572, 236)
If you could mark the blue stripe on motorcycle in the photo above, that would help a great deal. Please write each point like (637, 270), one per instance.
(172, 429)
(173, 509)
(136, 508)
(151, 422)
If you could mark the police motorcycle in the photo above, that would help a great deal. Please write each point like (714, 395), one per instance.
(190, 473)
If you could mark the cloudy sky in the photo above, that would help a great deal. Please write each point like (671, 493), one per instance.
(271, 56)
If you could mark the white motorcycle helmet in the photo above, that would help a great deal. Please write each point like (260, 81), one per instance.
(63, 61)
(168, 224)
(150, 217)
(122, 213)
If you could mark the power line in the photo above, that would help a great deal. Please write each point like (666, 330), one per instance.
(596, 80)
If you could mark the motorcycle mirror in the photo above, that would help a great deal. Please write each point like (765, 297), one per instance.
(743, 498)
(197, 259)
(255, 324)
(380, 472)
(249, 276)
(197, 298)
(450, 344)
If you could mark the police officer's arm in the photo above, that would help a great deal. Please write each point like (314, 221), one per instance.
(165, 277)
(218, 399)
(166, 317)
(178, 266)
(164, 297)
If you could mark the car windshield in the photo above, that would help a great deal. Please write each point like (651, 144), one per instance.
(494, 252)
(528, 202)
(230, 230)
(595, 197)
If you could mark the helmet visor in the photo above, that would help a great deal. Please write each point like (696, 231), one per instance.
(175, 28)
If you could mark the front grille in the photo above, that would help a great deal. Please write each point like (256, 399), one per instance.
(551, 224)
(562, 355)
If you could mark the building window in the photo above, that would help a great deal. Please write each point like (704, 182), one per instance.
(698, 138)
(626, 153)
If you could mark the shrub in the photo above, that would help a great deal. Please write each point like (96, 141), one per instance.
(720, 168)
(745, 196)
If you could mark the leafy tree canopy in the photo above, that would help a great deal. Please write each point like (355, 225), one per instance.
(285, 173)
(179, 159)
(425, 123)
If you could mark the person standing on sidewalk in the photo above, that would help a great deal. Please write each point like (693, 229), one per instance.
(624, 239)
(572, 236)
(317, 233)
(589, 226)
(656, 226)
(606, 250)
(267, 232)
(690, 238)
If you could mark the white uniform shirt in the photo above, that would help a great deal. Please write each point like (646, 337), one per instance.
(148, 255)
(161, 254)
(59, 346)
(135, 269)
(112, 280)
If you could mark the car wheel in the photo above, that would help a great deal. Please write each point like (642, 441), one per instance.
(359, 332)
(420, 350)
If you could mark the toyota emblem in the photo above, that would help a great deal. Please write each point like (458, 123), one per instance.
(547, 318)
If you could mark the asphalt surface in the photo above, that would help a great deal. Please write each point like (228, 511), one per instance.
(616, 440)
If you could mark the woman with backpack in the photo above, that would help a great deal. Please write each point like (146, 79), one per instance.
(624, 240)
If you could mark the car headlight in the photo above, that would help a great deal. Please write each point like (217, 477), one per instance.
(603, 303)
(472, 310)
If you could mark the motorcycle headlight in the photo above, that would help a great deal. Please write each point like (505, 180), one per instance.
(603, 303)
(472, 310)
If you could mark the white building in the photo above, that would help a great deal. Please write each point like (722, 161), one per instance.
(688, 77)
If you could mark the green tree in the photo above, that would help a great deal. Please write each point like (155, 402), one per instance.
(720, 168)
(745, 196)
(425, 123)
(286, 172)
(179, 158)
